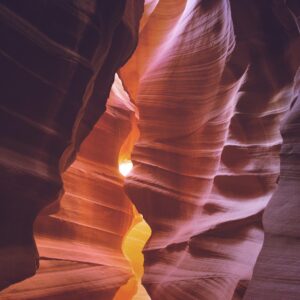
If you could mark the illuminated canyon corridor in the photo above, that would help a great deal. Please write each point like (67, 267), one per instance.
(149, 150)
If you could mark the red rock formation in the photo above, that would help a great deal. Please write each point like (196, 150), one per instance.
(58, 60)
(277, 271)
(82, 242)
(212, 82)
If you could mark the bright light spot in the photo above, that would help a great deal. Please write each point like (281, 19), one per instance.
(125, 167)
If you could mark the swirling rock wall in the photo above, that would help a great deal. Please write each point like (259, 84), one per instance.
(277, 271)
(212, 81)
(81, 245)
(58, 60)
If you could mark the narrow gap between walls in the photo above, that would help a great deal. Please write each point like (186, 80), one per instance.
(139, 232)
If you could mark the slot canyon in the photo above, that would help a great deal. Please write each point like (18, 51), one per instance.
(150, 150)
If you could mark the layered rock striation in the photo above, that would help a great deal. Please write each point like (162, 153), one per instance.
(276, 273)
(58, 60)
(212, 81)
(80, 245)
(215, 86)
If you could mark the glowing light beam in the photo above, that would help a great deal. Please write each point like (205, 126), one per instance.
(125, 167)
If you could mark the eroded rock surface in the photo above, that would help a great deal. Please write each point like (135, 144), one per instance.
(212, 81)
(277, 271)
(80, 245)
(58, 60)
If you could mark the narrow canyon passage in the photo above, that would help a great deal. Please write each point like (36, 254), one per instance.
(95, 234)
(139, 231)
(149, 150)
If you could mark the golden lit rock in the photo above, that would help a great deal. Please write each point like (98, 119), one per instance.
(140, 145)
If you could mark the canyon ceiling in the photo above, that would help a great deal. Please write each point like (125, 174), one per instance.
(202, 96)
